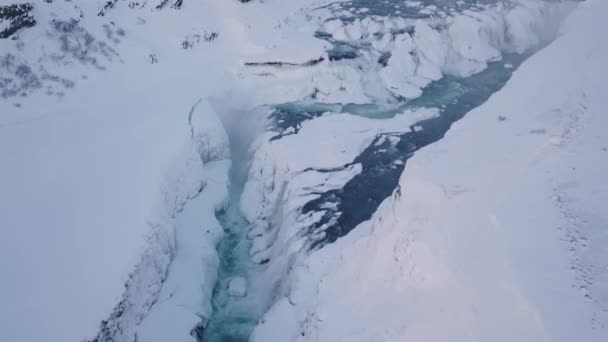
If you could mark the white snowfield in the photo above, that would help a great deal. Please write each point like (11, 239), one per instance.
(498, 232)
(112, 170)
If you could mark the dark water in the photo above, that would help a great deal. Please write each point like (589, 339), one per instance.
(385, 8)
(383, 163)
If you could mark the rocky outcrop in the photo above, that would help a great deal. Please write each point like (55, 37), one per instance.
(14, 18)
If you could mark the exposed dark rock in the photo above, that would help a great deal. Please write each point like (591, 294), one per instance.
(162, 4)
(18, 17)
(383, 59)
(78, 44)
(280, 64)
(16, 77)
(177, 4)
(194, 38)
(110, 4)
(152, 58)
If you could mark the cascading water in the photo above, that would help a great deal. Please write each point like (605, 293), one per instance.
(234, 315)
(236, 311)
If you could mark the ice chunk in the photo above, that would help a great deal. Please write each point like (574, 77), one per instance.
(237, 287)
(340, 35)
(332, 26)
(371, 26)
(353, 30)
(472, 39)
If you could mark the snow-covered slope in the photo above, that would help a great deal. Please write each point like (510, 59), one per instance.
(94, 174)
(496, 233)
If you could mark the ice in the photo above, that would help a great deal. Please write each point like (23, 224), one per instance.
(238, 287)
(471, 38)
(332, 26)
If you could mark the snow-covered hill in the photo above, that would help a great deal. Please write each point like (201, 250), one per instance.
(200, 170)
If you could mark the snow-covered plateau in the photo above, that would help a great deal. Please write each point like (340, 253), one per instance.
(303, 170)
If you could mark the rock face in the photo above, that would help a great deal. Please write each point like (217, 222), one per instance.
(110, 4)
(14, 18)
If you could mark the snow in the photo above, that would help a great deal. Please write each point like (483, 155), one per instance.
(114, 165)
(181, 304)
(238, 287)
(497, 234)
(91, 186)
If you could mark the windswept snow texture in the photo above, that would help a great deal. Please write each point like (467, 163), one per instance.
(496, 233)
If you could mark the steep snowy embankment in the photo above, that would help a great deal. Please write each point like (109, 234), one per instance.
(93, 191)
(94, 175)
(110, 175)
(496, 233)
